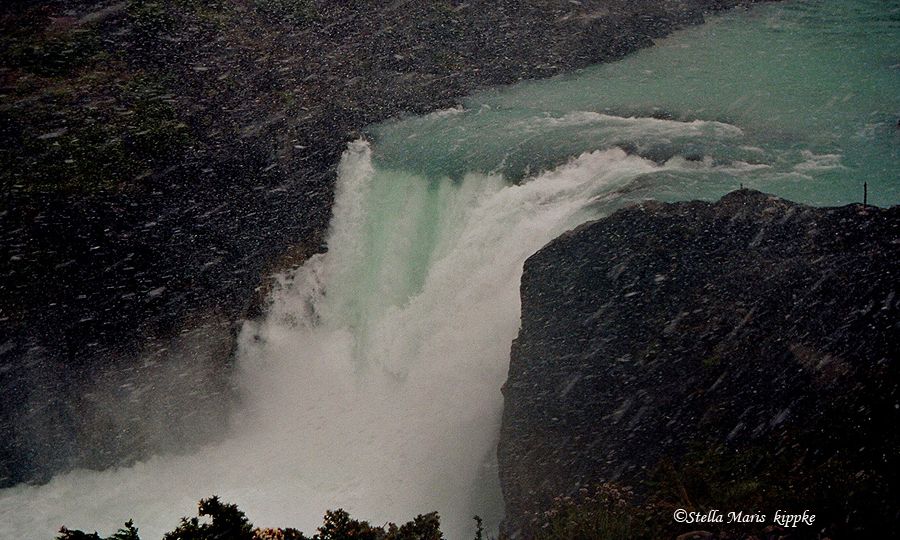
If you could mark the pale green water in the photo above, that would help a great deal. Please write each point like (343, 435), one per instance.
(374, 384)
(814, 87)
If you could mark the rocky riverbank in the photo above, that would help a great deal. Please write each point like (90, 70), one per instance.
(160, 158)
(737, 355)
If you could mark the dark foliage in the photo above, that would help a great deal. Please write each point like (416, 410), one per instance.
(128, 532)
(227, 522)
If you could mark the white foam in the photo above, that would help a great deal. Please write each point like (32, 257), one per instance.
(643, 127)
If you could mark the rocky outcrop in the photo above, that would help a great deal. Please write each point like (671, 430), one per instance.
(752, 339)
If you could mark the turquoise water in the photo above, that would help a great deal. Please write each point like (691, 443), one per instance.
(373, 384)
(813, 86)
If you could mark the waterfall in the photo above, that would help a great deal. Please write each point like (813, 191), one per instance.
(373, 382)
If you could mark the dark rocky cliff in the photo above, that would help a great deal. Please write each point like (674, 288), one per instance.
(747, 346)
(159, 158)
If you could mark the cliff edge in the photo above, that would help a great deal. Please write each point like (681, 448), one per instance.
(736, 353)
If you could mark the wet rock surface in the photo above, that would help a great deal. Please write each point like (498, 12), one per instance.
(752, 331)
(159, 158)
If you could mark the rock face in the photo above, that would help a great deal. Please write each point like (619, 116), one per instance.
(159, 158)
(751, 327)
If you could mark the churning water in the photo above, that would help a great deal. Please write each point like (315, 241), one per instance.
(374, 382)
